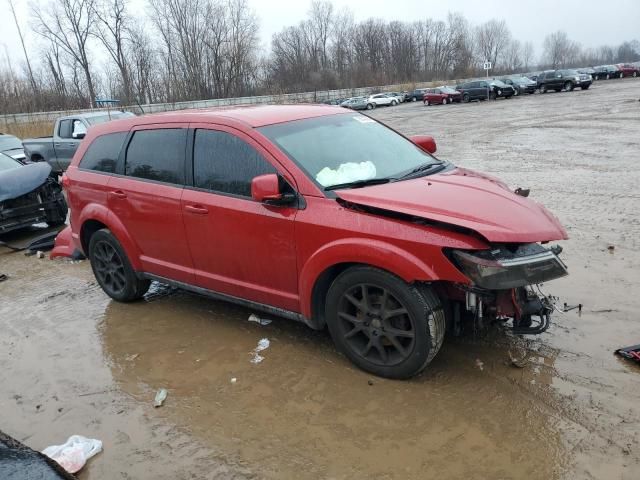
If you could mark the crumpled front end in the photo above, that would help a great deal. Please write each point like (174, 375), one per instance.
(504, 285)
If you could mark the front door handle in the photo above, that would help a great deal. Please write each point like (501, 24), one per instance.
(197, 209)
(119, 194)
(74, 145)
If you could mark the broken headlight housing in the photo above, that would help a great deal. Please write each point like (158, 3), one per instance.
(504, 268)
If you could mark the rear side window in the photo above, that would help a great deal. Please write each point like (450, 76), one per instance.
(224, 163)
(102, 155)
(157, 155)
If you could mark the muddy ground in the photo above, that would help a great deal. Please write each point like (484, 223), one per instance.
(74, 362)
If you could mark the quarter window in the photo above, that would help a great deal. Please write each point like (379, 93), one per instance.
(157, 155)
(102, 155)
(224, 163)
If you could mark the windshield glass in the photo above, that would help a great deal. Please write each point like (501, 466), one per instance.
(498, 83)
(106, 117)
(8, 142)
(338, 149)
(7, 163)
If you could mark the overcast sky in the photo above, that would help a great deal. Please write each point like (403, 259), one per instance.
(589, 22)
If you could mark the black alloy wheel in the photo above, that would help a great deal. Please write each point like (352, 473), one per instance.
(109, 268)
(112, 268)
(382, 324)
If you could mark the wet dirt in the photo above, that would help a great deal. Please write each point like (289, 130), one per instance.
(75, 362)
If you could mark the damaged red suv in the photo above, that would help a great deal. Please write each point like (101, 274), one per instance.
(313, 213)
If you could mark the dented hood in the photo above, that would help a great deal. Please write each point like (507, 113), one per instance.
(467, 199)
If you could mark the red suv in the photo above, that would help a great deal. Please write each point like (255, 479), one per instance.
(313, 213)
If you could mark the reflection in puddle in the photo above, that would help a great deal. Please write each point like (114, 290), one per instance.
(306, 409)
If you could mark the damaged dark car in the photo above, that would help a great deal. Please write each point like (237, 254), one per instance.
(29, 195)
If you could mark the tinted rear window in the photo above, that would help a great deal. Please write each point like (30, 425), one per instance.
(102, 155)
(157, 155)
(225, 163)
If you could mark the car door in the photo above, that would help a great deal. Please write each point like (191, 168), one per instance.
(240, 247)
(145, 197)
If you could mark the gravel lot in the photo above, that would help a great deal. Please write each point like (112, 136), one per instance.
(75, 362)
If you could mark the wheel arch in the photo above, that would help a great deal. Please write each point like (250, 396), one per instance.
(327, 263)
(96, 217)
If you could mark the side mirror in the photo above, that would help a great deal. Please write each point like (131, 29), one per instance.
(266, 189)
(425, 142)
(78, 135)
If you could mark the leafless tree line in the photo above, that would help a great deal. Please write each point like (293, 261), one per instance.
(199, 49)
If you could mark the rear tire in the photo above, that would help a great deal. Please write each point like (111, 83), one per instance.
(635, 74)
(393, 103)
(414, 99)
(382, 324)
(621, 75)
(112, 268)
(370, 106)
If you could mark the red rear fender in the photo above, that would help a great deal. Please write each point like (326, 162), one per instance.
(102, 214)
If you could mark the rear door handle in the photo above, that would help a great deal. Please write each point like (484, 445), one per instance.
(119, 194)
(75, 145)
(197, 209)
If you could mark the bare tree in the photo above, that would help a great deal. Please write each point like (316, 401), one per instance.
(111, 31)
(68, 24)
(528, 53)
(513, 56)
(559, 50)
(491, 39)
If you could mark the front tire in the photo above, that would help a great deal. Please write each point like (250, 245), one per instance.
(465, 98)
(382, 324)
(414, 99)
(112, 268)
(370, 106)
(393, 103)
(568, 86)
(444, 101)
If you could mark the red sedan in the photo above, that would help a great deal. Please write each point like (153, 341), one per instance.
(316, 214)
(441, 96)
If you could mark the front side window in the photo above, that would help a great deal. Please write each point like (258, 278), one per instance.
(102, 155)
(337, 149)
(225, 163)
(157, 155)
(79, 128)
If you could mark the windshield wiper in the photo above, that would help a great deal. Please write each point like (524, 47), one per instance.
(423, 169)
(358, 183)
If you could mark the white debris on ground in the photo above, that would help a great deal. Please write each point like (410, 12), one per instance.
(161, 396)
(257, 319)
(74, 453)
(263, 344)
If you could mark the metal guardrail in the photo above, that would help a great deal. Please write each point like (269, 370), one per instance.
(302, 97)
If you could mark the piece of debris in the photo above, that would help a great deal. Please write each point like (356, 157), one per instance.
(370, 382)
(161, 396)
(611, 248)
(479, 364)
(234, 380)
(518, 362)
(257, 319)
(568, 308)
(131, 358)
(40, 254)
(74, 453)
(263, 344)
(3, 277)
(630, 353)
